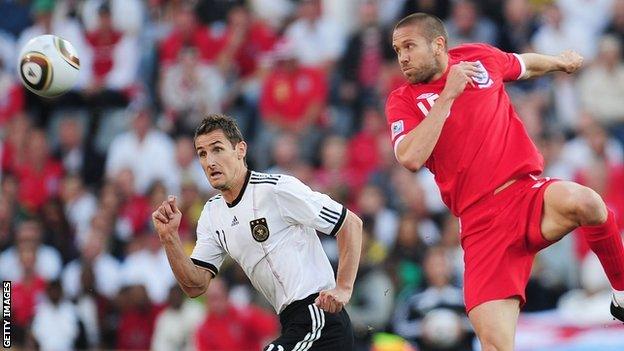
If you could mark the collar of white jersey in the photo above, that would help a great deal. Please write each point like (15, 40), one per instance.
(241, 193)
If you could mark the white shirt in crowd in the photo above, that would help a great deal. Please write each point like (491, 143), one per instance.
(269, 230)
(151, 159)
(55, 327)
(48, 263)
(106, 270)
(150, 269)
(175, 329)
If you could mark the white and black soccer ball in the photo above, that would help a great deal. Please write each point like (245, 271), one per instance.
(48, 65)
(442, 328)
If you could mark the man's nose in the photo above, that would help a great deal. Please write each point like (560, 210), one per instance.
(403, 57)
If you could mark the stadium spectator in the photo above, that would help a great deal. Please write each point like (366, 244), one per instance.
(293, 99)
(412, 314)
(115, 61)
(138, 149)
(601, 86)
(518, 28)
(39, 175)
(55, 326)
(176, 325)
(80, 206)
(26, 292)
(186, 32)
(137, 319)
(190, 88)
(228, 328)
(48, 263)
(318, 40)
(371, 203)
(105, 269)
(467, 25)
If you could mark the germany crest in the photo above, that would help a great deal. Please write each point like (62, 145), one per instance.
(259, 229)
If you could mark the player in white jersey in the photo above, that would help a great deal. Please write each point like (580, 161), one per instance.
(267, 223)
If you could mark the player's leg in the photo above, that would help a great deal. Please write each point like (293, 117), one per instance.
(567, 206)
(495, 322)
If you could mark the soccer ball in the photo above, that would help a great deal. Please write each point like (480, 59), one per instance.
(48, 65)
(441, 328)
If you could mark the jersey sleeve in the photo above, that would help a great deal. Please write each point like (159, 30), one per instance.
(402, 116)
(510, 65)
(208, 252)
(298, 204)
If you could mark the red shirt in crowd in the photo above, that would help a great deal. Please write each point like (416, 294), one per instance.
(103, 44)
(483, 143)
(38, 184)
(24, 300)
(11, 103)
(289, 94)
(245, 329)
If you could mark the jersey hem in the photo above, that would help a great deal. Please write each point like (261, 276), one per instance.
(211, 268)
(522, 66)
(341, 220)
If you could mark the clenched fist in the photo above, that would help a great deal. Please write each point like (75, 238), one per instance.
(167, 217)
(571, 61)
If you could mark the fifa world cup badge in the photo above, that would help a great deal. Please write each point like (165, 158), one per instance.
(259, 229)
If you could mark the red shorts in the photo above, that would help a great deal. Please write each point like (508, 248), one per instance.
(500, 235)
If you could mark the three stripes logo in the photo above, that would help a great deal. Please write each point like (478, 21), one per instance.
(262, 178)
(234, 221)
(329, 215)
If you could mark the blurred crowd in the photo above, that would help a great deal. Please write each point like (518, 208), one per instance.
(307, 81)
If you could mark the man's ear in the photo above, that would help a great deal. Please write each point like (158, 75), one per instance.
(439, 45)
(241, 150)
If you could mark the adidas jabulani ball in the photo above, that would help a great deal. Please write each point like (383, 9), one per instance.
(48, 65)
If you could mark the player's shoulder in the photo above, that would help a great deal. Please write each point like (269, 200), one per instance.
(211, 205)
(401, 92)
(470, 50)
(265, 178)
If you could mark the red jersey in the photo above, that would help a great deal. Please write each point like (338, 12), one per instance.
(483, 142)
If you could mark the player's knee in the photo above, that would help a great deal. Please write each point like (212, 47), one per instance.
(495, 340)
(495, 344)
(587, 206)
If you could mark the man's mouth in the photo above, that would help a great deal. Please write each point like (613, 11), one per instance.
(215, 174)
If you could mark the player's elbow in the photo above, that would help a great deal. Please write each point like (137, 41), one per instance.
(194, 292)
(408, 159)
(410, 163)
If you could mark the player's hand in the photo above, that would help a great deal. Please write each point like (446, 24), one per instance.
(459, 75)
(571, 61)
(333, 300)
(167, 217)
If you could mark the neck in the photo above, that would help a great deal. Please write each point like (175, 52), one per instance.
(229, 195)
(444, 62)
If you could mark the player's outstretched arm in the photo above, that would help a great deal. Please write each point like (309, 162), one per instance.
(349, 248)
(538, 65)
(193, 280)
(417, 145)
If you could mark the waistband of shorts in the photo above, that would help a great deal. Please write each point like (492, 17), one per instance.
(510, 190)
(295, 305)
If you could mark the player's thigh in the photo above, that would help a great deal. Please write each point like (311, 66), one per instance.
(495, 322)
(566, 206)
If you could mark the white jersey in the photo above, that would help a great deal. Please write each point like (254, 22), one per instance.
(270, 231)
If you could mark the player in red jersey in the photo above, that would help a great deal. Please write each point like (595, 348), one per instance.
(455, 118)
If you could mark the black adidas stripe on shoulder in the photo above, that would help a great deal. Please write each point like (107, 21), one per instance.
(263, 176)
(264, 181)
(216, 197)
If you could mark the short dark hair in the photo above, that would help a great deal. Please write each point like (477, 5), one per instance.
(430, 25)
(217, 121)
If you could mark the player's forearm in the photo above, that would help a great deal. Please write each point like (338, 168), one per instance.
(349, 248)
(538, 65)
(417, 145)
(193, 280)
